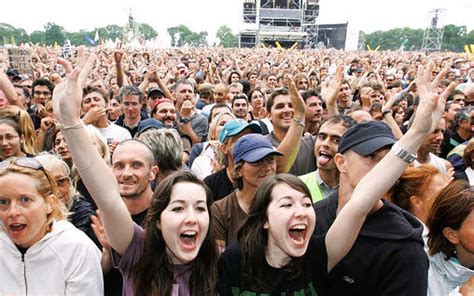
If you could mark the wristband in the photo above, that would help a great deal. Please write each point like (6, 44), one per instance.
(385, 112)
(73, 126)
(403, 154)
(299, 122)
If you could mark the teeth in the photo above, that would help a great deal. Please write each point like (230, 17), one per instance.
(298, 227)
(15, 225)
(189, 232)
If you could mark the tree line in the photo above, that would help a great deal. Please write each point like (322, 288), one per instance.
(56, 34)
(454, 38)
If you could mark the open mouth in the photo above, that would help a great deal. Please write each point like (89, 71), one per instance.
(16, 228)
(297, 233)
(324, 158)
(188, 239)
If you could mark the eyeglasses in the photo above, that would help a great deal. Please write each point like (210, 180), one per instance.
(132, 104)
(61, 181)
(39, 93)
(25, 162)
(8, 137)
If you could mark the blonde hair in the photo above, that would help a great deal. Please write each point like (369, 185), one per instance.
(215, 122)
(52, 161)
(47, 187)
(23, 119)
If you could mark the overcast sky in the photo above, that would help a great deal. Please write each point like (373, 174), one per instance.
(208, 15)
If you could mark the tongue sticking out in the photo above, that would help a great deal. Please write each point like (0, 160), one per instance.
(323, 159)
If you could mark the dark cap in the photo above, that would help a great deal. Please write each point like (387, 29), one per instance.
(252, 148)
(13, 73)
(155, 90)
(366, 137)
(149, 124)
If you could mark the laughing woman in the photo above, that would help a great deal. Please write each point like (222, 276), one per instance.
(175, 253)
(41, 253)
(276, 252)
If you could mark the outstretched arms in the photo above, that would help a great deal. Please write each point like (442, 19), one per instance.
(345, 229)
(95, 173)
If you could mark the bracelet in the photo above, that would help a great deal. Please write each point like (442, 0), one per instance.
(403, 154)
(73, 126)
(385, 112)
(87, 167)
(299, 122)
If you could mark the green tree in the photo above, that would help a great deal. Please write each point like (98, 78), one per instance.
(148, 32)
(113, 32)
(37, 37)
(226, 37)
(7, 32)
(454, 38)
(54, 33)
(183, 36)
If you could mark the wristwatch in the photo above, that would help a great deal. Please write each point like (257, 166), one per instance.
(403, 154)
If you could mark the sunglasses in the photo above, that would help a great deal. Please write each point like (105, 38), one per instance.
(25, 162)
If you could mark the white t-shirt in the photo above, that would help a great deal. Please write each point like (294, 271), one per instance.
(115, 133)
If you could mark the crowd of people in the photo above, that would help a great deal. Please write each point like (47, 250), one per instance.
(212, 171)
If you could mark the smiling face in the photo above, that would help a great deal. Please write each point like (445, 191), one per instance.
(132, 169)
(23, 210)
(282, 112)
(10, 142)
(166, 113)
(184, 223)
(253, 173)
(291, 222)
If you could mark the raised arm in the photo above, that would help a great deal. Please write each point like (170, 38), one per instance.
(95, 173)
(345, 229)
(329, 92)
(7, 87)
(290, 145)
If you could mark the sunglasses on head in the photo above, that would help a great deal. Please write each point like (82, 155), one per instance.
(25, 162)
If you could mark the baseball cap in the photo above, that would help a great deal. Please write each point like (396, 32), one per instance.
(252, 148)
(149, 124)
(13, 73)
(366, 137)
(155, 90)
(235, 126)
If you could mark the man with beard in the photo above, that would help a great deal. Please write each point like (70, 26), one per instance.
(165, 111)
(314, 111)
(344, 98)
(326, 177)
(431, 146)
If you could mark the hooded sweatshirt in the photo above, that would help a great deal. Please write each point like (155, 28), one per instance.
(64, 262)
(386, 259)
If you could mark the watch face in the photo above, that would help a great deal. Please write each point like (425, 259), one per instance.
(184, 120)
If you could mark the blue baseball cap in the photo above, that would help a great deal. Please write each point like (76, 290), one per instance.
(149, 123)
(235, 126)
(252, 148)
(365, 138)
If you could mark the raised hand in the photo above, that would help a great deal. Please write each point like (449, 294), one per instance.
(431, 106)
(67, 96)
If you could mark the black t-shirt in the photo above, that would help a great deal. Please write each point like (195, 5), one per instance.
(310, 282)
(220, 184)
